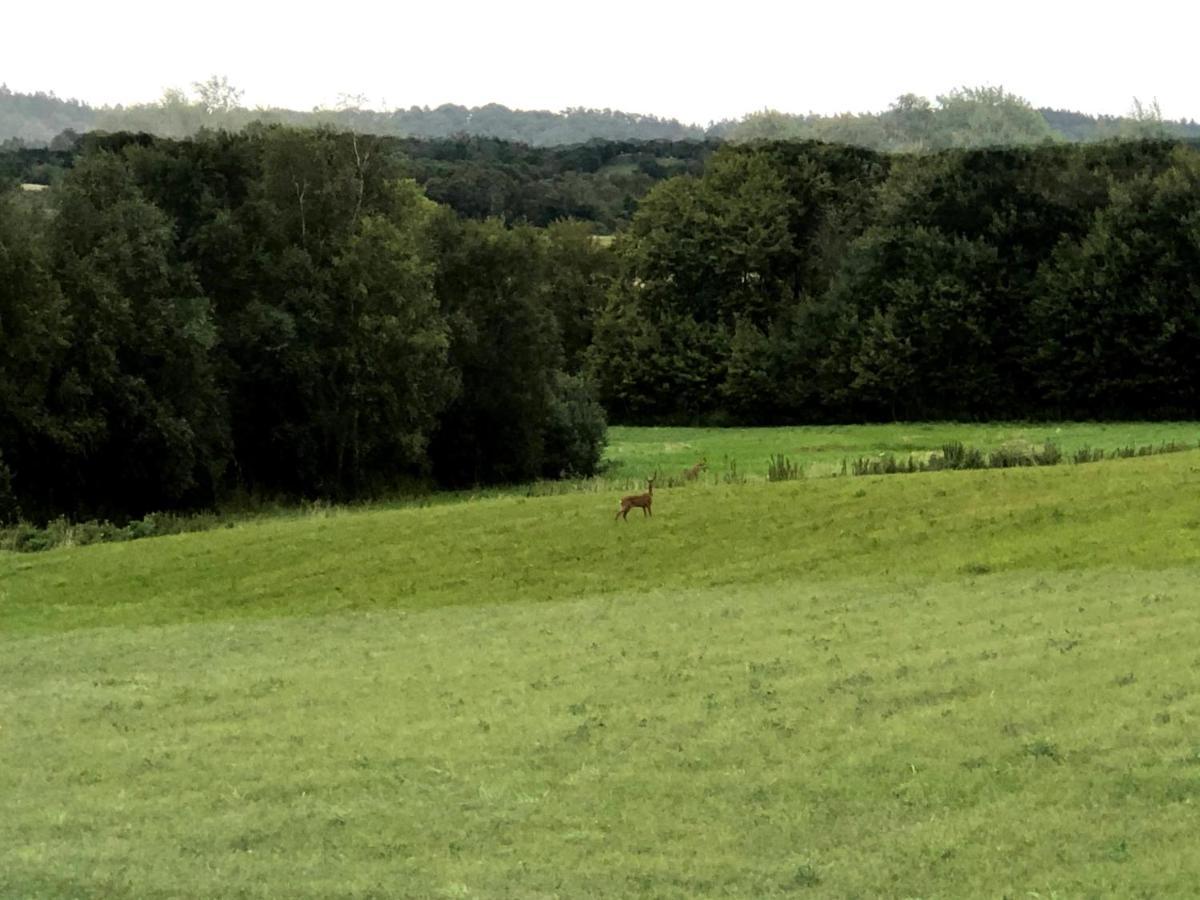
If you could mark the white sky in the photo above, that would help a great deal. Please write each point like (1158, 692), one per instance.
(689, 60)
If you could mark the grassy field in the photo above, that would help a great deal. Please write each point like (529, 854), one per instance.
(980, 683)
(638, 452)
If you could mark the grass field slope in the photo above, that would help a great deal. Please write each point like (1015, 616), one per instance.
(965, 683)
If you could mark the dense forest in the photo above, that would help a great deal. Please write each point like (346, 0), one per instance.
(812, 282)
(283, 312)
(477, 177)
(286, 311)
(964, 117)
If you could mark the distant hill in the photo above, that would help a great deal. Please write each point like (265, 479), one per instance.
(1076, 126)
(37, 119)
(966, 117)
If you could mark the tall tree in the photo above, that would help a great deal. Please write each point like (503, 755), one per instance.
(142, 331)
(579, 271)
(505, 344)
(1117, 312)
(34, 337)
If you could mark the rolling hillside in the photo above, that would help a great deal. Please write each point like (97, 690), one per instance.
(949, 684)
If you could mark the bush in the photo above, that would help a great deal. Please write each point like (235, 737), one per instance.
(780, 468)
(24, 537)
(1012, 455)
(956, 456)
(887, 464)
(576, 430)
(1049, 455)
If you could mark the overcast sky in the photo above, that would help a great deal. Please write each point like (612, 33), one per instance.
(694, 61)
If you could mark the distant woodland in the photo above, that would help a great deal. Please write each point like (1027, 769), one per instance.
(964, 117)
(316, 312)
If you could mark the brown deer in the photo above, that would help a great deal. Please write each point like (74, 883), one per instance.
(640, 500)
(694, 472)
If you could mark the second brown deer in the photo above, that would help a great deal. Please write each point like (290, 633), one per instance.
(694, 472)
(637, 500)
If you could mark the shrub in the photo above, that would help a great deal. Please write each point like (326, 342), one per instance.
(956, 456)
(780, 468)
(1011, 455)
(576, 430)
(1049, 455)
(887, 464)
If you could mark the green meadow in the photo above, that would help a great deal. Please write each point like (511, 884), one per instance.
(821, 449)
(962, 683)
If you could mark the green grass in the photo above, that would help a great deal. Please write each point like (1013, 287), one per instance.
(635, 454)
(638, 452)
(955, 684)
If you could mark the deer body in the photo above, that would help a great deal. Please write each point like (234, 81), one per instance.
(637, 500)
(694, 472)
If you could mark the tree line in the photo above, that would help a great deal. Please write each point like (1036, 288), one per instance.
(480, 178)
(286, 312)
(803, 282)
(962, 117)
(279, 312)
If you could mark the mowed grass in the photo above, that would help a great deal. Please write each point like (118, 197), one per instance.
(978, 683)
(820, 449)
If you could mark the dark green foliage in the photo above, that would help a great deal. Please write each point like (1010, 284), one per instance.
(1117, 311)
(829, 284)
(576, 430)
(278, 312)
(477, 177)
(578, 273)
(924, 309)
(282, 311)
(35, 334)
(598, 182)
(504, 342)
(10, 509)
(751, 389)
(721, 284)
(134, 415)
(668, 370)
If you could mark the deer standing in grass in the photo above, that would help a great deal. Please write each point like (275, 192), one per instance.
(694, 472)
(639, 500)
